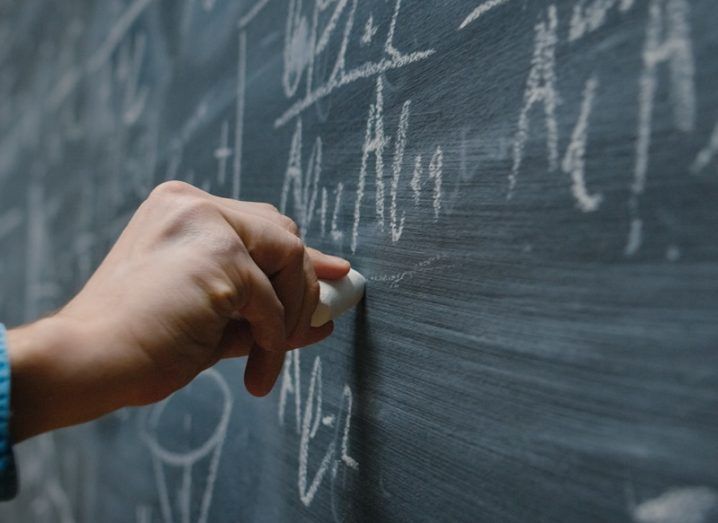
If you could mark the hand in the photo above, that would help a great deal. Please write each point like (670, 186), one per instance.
(194, 278)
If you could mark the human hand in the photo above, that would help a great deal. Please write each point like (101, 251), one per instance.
(194, 278)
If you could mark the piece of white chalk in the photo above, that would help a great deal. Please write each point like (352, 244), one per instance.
(338, 296)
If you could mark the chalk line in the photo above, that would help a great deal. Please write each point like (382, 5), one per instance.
(366, 70)
(481, 10)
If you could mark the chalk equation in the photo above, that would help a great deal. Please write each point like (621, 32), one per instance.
(133, 108)
(305, 43)
(310, 415)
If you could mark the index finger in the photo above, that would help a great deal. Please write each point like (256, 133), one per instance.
(328, 267)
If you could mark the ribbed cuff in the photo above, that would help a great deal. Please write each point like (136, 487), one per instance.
(8, 474)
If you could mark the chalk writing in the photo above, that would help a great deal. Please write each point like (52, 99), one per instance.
(397, 226)
(395, 279)
(436, 173)
(323, 212)
(310, 425)
(222, 153)
(574, 163)
(707, 154)
(370, 30)
(303, 45)
(239, 116)
(336, 233)
(348, 398)
(308, 419)
(540, 89)
(667, 41)
(480, 11)
(416, 181)
(304, 189)
(590, 15)
(375, 142)
(679, 505)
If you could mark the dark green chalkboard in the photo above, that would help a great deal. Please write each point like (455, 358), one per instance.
(530, 187)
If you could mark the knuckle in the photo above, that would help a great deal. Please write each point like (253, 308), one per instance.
(223, 298)
(290, 225)
(171, 188)
(183, 217)
(269, 207)
(295, 251)
(189, 209)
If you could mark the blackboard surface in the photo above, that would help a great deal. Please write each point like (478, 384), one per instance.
(530, 187)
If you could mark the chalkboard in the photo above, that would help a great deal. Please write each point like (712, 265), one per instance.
(529, 187)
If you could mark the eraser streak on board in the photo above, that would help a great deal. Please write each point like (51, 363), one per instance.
(338, 296)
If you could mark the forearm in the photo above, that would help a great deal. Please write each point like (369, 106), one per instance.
(55, 381)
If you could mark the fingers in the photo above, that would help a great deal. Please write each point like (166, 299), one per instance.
(264, 210)
(271, 246)
(283, 257)
(262, 308)
(313, 335)
(290, 285)
(309, 302)
(328, 267)
(263, 367)
(236, 340)
(272, 242)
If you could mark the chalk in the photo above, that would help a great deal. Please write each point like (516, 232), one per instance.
(338, 296)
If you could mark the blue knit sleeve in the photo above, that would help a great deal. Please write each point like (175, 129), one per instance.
(8, 476)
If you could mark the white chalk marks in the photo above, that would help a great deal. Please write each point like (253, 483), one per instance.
(679, 505)
(480, 11)
(310, 426)
(375, 143)
(175, 467)
(397, 225)
(309, 418)
(590, 15)
(301, 190)
(436, 170)
(305, 42)
(335, 232)
(303, 187)
(307, 38)
(574, 163)
(239, 116)
(222, 153)
(540, 89)
(394, 280)
(707, 154)
(668, 41)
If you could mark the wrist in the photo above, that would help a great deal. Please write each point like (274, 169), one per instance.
(56, 377)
